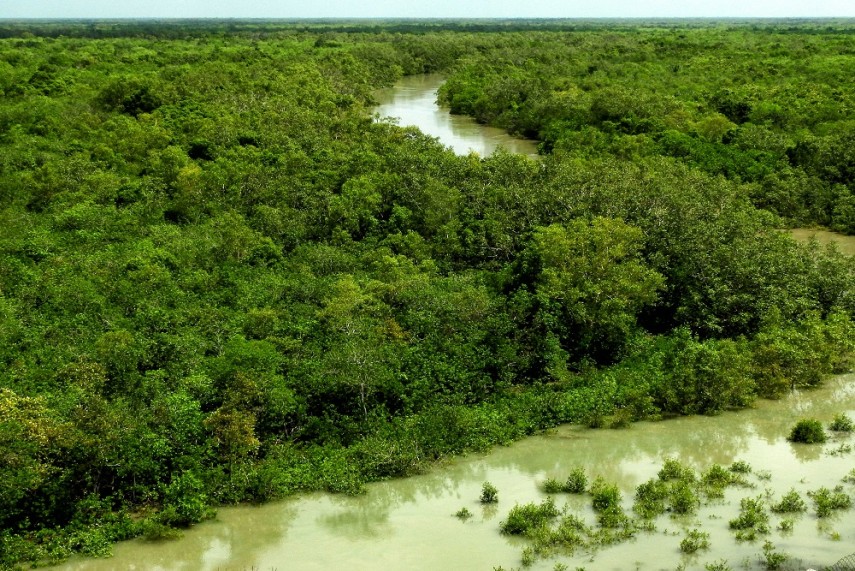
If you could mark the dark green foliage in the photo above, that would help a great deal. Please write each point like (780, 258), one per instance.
(807, 431)
(772, 559)
(650, 498)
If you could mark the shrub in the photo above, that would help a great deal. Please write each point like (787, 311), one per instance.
(752, 519)
(808, 431)
(577, 482)
(695, 540)
(771, 558)
(605, 496)
(552, 486)
(683, 499)
(463, 514)
(523, 519)
(826, 501)
(841, 423)
(673, 470)
(650, 498)
(791, 502)
(489, 493)
(740, 467)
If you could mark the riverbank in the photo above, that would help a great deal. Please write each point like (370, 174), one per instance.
(408, 523)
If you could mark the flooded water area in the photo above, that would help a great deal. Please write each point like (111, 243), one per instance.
(846, 244)
(409, 523)
(412, 102)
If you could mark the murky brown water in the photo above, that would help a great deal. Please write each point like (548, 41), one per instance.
(845, 243)
(413, 102)
(408, 524)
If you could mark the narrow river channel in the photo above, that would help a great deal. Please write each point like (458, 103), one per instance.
(412, 101)
(409, 524)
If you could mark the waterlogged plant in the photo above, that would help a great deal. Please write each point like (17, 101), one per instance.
(791, 502)
(552, 486)
(524, 519)
(850, 477)
(752, 520)
(717, 476)
(577, 482)
(720, 565)
(604, 496)
(489, 493)
(807, 431)
(842, 423)
(672, 469)
(786, 524)
(740, 467)
(463, 514)
(682, 499)
(694, 541)
(826, 501)
(772, 559)
(650, 498)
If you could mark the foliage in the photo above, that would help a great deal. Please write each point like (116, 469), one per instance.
(791, 502)
(827, 501)
(752, 520)
(222, 281)
(525, 519)
(489, 493)
(577, 482)
(808, 431)
(695, 541)
(841, 423)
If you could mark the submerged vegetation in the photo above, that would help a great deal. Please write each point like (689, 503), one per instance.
(221, 280)
(576, 532)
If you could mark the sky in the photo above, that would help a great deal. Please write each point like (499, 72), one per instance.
(424, 9)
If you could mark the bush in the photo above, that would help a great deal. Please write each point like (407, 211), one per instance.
(552, 486)
(650, 498)
(604, 496)
(695, 540)
(807, 431)
(752, 519)
(771, 558)
(841, 423)
(683, 499)
(826, 501)
(673, 470)
(792, 502)
(489, 493)
(577, 482)
(524, 519)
